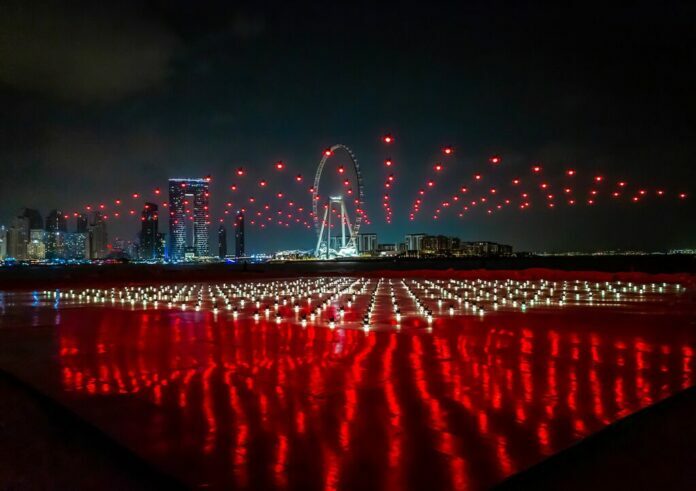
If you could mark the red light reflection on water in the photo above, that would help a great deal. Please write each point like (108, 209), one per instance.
(254, 404)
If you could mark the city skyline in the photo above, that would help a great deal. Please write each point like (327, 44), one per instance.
(189, 113)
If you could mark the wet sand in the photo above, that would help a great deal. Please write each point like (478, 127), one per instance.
(460, 404)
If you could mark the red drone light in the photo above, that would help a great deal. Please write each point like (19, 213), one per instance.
(447, 150)
(387, 138)
(262, 183)
(328, 152)
(157, 190)
(598, 178)
(341, 170)
(388, 162)
(298, 177)
(494, 160)
(280, 165)
(438, 167)
(570, 172)
(240, 171)
(477, 177)
(536, 168)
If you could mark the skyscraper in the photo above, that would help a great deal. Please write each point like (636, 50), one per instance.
(34, 217)
(36, 247)
(76, 245)
(18, 238)
(149, 231)
(56, 222)
(3, 242)
(239, 235)
(188, 205)
(82, 223)
(222, 241)
(98, 239)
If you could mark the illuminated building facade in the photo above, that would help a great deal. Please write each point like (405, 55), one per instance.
(367, 243)
(414, 242)
(239, 235)
(76, 245)
(18, 238)
(149, 232)
(3, 242)
(222, 241)
(98, 239)
(56, 227)
(36, 247)
(188, 211)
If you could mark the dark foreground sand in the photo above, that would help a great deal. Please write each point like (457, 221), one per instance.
(650, 449)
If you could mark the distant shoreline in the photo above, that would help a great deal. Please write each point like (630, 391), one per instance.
(600, 268)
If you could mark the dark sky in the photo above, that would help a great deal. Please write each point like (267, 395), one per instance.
(100, 100)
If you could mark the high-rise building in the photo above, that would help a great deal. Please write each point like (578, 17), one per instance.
(414, 242)
(76, 245)
(18, 238)
(222, 241)
(56, 222)
(56, 227)
(98, 239)
(239, 235)
(149, 232)
(367, 243)
(188, 211)
(82, 223)
(34, 217)
(3, 242)
(36, 247)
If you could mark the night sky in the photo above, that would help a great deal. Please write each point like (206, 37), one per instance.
(101, 101)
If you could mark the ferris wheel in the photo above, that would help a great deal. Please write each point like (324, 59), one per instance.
(344, 245)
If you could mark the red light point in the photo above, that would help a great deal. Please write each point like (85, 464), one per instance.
(570, 172)
(536, 168)
(328, 152)
(388, 138)
(447, 150)
(438, 167)
(280, 165)
(494, 160)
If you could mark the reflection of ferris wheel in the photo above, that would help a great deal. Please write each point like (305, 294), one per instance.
(343, 245)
